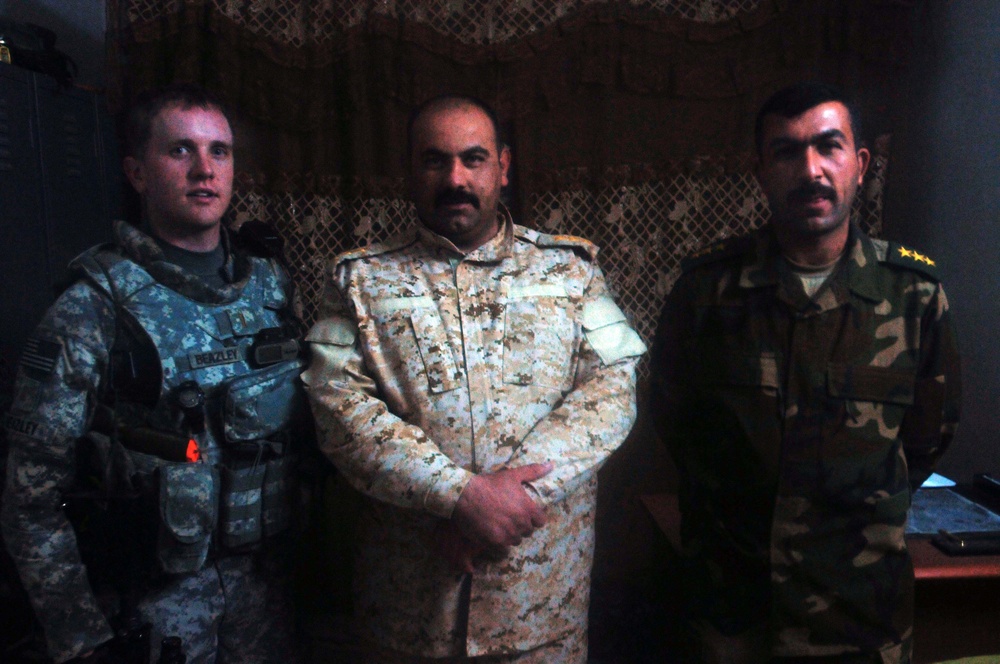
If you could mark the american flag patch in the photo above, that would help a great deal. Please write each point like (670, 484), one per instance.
(40, 357)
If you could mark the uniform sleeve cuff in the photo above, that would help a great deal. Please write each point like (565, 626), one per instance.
(443, 495)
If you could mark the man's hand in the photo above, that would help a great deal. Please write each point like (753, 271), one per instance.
(458, 550)
(495, 510)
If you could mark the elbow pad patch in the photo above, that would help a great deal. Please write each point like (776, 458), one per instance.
(608, 332)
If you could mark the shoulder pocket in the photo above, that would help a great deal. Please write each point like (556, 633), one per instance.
(608, 332)
(336, 330)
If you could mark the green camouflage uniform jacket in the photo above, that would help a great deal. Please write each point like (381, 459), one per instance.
(800, 428)
(430, 365)
(58, 385)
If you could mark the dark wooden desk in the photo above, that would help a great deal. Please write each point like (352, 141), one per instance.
(957, 611)
(957, 608)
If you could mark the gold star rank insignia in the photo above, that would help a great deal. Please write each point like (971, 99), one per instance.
(900, 255)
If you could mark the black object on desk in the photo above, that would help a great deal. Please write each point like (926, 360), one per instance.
(967, 544)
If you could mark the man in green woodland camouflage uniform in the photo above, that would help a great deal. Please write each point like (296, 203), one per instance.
(470, 377)
(806, 380)
(155, 402)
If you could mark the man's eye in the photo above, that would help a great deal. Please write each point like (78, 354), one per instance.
(473, 160)
(220, 152)
(433, 162)
(179, 150)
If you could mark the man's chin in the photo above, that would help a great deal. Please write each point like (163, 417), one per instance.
(189, 226)
(809, 226)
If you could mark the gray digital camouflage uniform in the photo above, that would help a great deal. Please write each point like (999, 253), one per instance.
(800, 428)
(234, 606)
(430, 365)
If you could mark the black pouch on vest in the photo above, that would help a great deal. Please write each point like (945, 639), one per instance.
(278, 491)
(189, 498)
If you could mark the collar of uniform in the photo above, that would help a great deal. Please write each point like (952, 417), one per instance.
(763, 266)
(861, 277)
(140, 248)
(495, 249)
(760, 264)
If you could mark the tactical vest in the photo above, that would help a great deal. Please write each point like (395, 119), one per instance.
(224, 383)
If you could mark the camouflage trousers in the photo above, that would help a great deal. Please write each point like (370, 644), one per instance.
(237, 610)
(571, 649)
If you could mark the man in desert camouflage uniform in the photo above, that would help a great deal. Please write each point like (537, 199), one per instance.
(470, 377)
(806, 380)
(162, 331)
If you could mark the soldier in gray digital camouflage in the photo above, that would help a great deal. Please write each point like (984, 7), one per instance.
(806, 380)
(153, 433)
(470, 377)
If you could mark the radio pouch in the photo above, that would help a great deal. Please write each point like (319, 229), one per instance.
(261, 403)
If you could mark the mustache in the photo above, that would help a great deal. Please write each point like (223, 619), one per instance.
(811, 190)
(456, 197)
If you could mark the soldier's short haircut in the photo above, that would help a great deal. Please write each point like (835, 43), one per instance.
(149, 104)
(448, 102)
(796, 99)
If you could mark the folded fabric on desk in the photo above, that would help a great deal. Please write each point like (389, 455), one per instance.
(934, 510)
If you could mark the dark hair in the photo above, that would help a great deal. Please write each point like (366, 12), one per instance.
(796, 99)
(451, 101)
(149, 104)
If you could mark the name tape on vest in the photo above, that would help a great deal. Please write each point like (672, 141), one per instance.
(214, 358)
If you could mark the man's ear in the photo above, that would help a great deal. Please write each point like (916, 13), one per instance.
(504, 165)
(864, 159)
(135, 173)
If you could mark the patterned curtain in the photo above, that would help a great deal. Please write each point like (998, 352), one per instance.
(630, 121)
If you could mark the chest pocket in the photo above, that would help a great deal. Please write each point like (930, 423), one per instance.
(876, 398)
(539, 334)
(434, 352)
(862, 383)
(725, 369)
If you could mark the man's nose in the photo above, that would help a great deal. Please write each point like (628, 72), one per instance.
(812, 163)
(202, 167)
(458, 174)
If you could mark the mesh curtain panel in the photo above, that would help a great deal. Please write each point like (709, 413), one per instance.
(630, 122)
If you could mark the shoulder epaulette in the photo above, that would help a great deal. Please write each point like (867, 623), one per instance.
(110, 269)
(92, 264)
(571, 241)
(897, 254)
(376, 248)
(716, 251)
(96, 264)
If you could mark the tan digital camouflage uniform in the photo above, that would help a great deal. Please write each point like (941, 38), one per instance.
(800, 428)
(429, 366)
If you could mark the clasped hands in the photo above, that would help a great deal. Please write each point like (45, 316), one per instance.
(494, 511)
